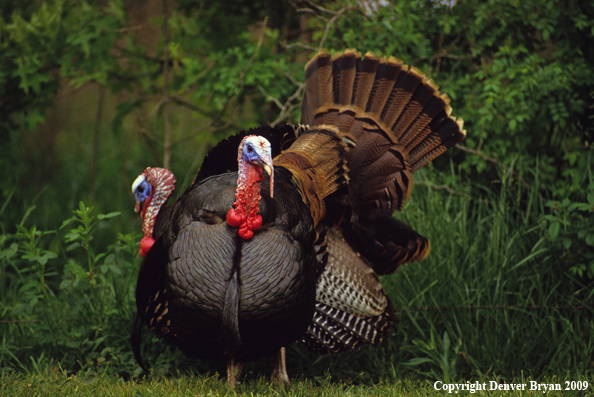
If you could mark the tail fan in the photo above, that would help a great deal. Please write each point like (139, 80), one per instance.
(347, 282)
(392, 117)
(387, 243)
(352, 308)
(336, 331)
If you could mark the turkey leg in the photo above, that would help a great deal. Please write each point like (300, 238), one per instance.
(233, 372)
(279, 368)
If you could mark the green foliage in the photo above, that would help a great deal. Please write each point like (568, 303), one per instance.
(60, 303)
(75, 40)
(570, 219)
(436, 351)
(571, 230)
(519, 73)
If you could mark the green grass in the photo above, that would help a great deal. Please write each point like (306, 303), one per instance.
(53, 382)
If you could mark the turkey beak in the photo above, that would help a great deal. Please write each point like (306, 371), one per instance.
(266, 163)
(139, 208)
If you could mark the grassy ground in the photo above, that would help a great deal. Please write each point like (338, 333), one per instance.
(53, 382)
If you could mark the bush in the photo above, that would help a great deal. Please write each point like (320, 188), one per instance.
(68, 303)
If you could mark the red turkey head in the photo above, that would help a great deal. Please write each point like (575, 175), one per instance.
(253, 157)
(151, 189)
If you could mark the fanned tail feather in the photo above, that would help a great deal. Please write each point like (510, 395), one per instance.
(401, 109)
(336, 331)
(347, 282)
(351, 306)
(387, 243)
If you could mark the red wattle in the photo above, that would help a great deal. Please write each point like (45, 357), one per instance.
(246, 233)
(233, 218)
(256, 222)
(247, 199)
(145, 245)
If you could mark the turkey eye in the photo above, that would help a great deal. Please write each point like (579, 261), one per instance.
(140, 188)
(250, 149)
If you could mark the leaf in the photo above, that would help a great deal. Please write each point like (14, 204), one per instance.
(590, 239)
(9, 252)
(551, 218)
(73, 344)
(67, 222)
(65, 284)
(115, 269)
(566, 242)
(72, 246)
(72, 236)
(579, 270)
(580, 206)
(33, 301)
(110, 215)
(554, 230)
(98, 257)
(512, 124)
(417, 361)
(446, 341)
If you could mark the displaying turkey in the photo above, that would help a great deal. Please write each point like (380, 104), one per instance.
(285, 242)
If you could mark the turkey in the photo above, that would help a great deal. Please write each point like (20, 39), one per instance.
(284, 231)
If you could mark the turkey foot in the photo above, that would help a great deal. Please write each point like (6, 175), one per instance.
(233, 372)
(279, 368)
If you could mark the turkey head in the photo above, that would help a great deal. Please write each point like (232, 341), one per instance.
(151, 189)
(254, 156)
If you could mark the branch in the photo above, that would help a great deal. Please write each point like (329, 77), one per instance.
(301, 45)
(324, 9)
(494, 161)
(289, 106)
(203, 149)
(253, 58)
(331, 22)
(285, 108)
(167, 124)
(96, 140)
(19, 321)
(194, 108)
(452, 191)
(148, 138)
